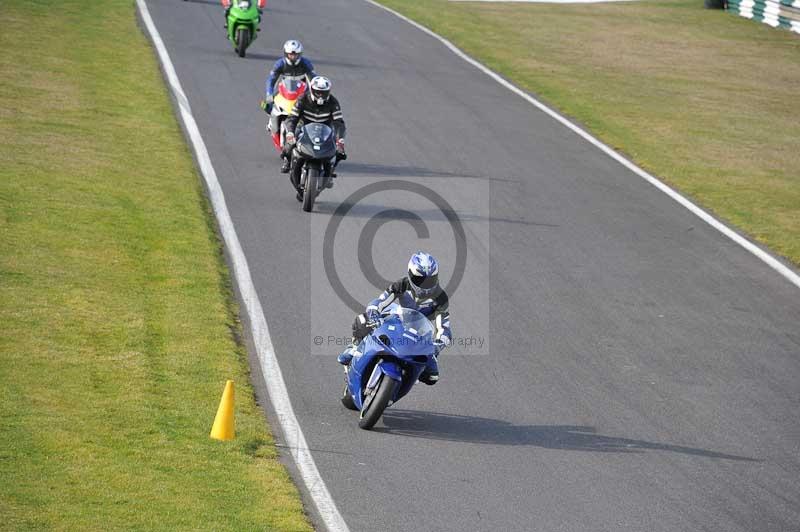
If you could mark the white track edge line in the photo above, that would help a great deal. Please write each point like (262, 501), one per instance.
(295, 440)
(771, 261)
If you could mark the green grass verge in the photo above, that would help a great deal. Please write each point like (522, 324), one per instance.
(118, 324)
(704, 99)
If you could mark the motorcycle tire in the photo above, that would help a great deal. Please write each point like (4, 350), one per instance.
(310, 192)
(347, 399)
(375, 404)
(242, 41)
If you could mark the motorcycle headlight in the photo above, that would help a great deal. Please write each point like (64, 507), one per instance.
(244, 4)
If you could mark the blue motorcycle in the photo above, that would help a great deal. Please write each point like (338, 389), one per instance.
(387, 363)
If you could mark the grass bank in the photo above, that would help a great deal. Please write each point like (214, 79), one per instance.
(703, 99)
(117, 320)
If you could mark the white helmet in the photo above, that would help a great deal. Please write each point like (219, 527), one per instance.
(320, 90)
(295, 48)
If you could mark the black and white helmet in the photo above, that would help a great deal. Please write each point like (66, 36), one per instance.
(292, 52)
(320, 90)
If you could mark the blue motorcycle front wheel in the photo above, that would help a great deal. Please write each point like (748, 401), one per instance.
(376, 402)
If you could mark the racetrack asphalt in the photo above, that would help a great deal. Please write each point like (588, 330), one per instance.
(638, 370)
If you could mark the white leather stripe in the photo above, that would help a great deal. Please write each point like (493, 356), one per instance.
(439, 328)
(315, 115)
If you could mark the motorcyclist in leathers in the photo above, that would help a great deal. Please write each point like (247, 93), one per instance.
(317, 105)
(420, 291)
(292, 64)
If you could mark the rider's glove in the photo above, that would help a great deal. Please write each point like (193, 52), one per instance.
(373, 316)
(289, 137)
(340, 145)
(265, 106)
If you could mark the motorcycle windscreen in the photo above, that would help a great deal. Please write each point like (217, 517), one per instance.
(318, 133)
(409, 332)
(291, 88)
(241, 6)
(316, 141)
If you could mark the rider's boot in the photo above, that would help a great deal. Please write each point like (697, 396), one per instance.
(340, 156)
(286, 163)
(347, 355)
(430, 375)
(294, 176)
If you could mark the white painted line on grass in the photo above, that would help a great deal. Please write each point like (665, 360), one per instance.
(774, 263)
(295, 441)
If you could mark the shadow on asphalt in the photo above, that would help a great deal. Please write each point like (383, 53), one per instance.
(366, 210)
(321, 63)
(406, 171)
(469, 429)
(263, 57)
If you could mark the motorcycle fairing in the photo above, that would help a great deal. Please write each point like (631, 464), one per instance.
(393, 350)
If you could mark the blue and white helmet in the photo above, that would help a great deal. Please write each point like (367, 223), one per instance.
(292, 52)
(423, 274)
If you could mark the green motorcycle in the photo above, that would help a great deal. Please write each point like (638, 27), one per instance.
(243, 18)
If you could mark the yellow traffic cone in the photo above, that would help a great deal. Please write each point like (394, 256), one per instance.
(223, 428)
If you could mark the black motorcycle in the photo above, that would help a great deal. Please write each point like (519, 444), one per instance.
(314, 159)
